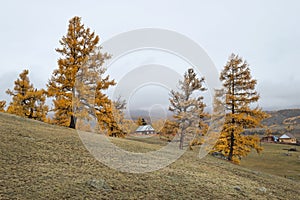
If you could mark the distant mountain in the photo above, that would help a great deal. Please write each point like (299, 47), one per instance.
(280, 122)
(283, 117)
(148, 116)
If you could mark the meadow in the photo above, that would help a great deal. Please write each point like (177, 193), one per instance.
(276, 159)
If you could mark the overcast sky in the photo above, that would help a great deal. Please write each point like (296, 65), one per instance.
(265, 33)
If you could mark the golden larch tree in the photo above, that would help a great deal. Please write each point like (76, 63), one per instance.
(238, 95)
(90, 101)
(141, 121)
(111, 118)
(121, 126)
(188, 106)
(216, 119)
(81, 61)
(2, 106)
(268, 132)
(27, 101)
(158, 124)
(169, 130)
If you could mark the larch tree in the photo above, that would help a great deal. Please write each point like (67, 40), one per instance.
(216, 117)
(268, 132)
(111, 118)
(81, 62)
(158, 124)
(27, 101)
(239, 94)
(121, 125)
(218, 103)
(89, 100)
(188, 106)
(141, 121)
(2, 106)
(169, 130)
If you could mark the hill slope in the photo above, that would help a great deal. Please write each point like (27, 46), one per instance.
(282, 117)
(41, 161)
(280, 122)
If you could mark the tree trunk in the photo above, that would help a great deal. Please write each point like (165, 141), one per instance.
(181, 140)
(30, 116)
(232, 120)
(72, 122)
(231, 146)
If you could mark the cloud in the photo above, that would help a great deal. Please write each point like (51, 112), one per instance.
(266, 33)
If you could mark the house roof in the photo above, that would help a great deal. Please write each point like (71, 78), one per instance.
(268, 136)
(287, 136)
(144, 128)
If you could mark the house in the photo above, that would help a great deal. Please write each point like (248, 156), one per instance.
(145, 129)
(269, 138)
(288, 138)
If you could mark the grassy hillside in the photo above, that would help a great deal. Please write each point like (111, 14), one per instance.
(41, 161)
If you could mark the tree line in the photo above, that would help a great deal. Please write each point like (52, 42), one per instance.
(236, 102)
(77, 48)
(70, 82)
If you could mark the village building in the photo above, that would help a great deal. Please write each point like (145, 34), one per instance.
(145, 129)
(288, 138)
(269, 139)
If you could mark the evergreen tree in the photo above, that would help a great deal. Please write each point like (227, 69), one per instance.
(239, 94)
(26, 100)
(188, 109)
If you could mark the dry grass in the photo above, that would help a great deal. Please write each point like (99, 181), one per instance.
(276, 159)
(41, 161)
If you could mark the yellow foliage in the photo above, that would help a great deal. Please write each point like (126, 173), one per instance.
(188, 106)
(238, 94)
(26, 100)
(2, 106)
(158, 124)
(111, 118)
(141, 121)
(77, 85)
(83, 125)
(268, 132)
(169, 130)
(291, 120)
